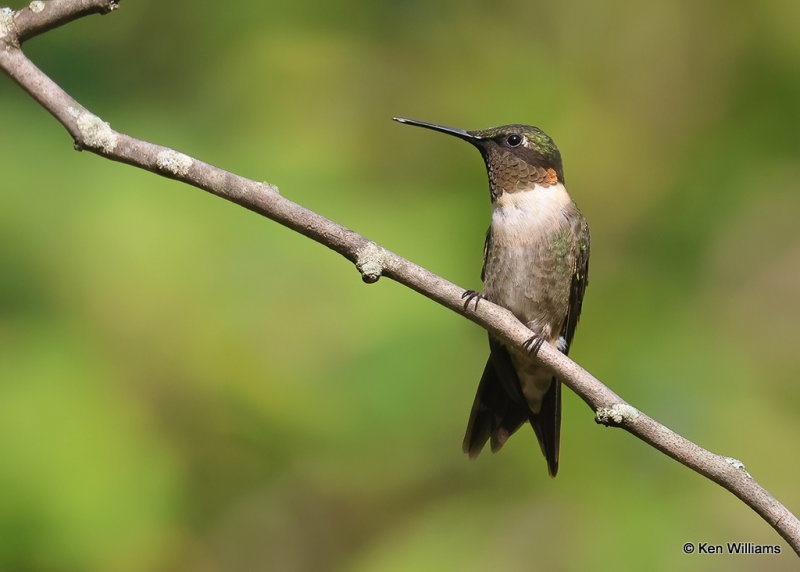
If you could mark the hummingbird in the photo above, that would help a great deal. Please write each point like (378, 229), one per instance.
(535, 264)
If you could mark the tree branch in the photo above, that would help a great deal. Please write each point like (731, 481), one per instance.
(89, 132)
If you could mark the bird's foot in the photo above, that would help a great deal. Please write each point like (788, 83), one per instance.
(469, 296)
(533, 344)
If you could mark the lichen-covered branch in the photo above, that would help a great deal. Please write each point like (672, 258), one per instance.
(91, 133)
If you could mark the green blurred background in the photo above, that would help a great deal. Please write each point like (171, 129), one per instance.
(187, 386)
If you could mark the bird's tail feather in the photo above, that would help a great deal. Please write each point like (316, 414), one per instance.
(500, 409)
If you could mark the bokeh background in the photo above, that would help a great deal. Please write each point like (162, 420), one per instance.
(187, 386)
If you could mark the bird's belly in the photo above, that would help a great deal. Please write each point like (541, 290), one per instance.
(524, 279)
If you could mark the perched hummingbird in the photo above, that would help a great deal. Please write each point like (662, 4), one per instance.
(535, 264)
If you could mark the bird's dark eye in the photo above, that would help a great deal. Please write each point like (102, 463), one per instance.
(514, 140)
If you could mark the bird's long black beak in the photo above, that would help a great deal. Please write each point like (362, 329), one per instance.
(460, 133)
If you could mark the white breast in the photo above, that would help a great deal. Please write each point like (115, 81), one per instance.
(516, 216)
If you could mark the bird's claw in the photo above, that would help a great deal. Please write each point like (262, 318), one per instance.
(469, 296)
(533, 344)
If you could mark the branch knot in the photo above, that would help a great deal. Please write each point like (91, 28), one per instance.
(370, 262)
(617, 415)
(737, 464)
(173, 162)
(8, 29)
(94, 132)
